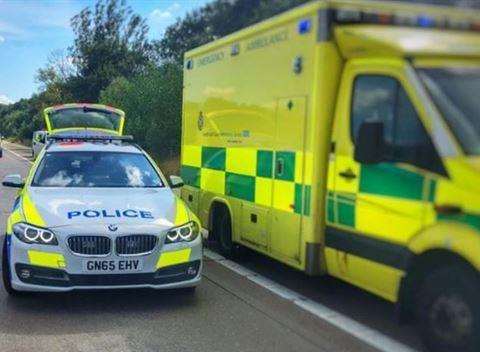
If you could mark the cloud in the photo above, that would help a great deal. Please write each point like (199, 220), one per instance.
(160, 18)
(2, 39)
(162, 15)
(4, 100)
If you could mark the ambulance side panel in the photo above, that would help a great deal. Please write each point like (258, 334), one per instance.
(256, 126)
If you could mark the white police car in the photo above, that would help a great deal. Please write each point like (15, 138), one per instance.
(95, 213)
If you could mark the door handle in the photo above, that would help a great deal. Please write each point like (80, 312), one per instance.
(447, 209)
(348, 174)
(280, 167)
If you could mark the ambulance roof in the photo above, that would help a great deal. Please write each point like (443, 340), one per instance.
(398, 28)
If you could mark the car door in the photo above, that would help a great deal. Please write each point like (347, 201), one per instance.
(374, 208)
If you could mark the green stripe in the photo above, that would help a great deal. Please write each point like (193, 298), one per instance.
(330, 207)
(213, 158)
(388, 180)
(472, 220)
(346, 213)
(190, 175)
(302, 199)
(264, 163)
(298, 198)
(240, 186)
(287, 160)
(306, 203)
(432, 191)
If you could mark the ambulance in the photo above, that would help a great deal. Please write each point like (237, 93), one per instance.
(95, 212)
(342, 138)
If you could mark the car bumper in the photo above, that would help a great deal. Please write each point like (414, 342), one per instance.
(66, 273)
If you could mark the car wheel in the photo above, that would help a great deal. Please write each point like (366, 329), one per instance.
(448, 310)
(6, 274)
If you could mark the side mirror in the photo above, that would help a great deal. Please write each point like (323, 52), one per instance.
(370, 145)
(14, 181)
(176, 182)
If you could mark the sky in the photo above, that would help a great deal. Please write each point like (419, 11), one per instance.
(30, 30)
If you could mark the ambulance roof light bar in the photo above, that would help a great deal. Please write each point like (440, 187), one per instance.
(354, 16)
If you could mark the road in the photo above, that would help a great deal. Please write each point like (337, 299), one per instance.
(229, 311)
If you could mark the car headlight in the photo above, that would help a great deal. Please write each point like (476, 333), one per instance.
(32, 234)
(184, 233)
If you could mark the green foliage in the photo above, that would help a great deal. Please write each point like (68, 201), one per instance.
(152, 102)
(110, 41)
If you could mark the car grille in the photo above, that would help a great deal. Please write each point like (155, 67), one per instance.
(90, 245)
(135, 244)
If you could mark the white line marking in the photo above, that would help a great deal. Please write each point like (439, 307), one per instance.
(16, 154)
(362, 332)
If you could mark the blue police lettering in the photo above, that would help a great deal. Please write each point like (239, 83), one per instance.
(71, 214)
(104, 213)
(91, 214)
(133, 213)
(145, 214)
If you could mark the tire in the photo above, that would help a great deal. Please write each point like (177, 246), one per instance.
(225, 241)
(448, 310)
(6, 275)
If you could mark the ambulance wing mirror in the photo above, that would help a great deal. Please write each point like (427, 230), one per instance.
(14, 181)
(370, 145)
(176, 182)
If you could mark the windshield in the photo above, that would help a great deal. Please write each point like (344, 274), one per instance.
(96, 169)
(455, 93)
(84, 117)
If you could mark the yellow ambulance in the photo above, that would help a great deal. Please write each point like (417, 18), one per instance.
(343, 138)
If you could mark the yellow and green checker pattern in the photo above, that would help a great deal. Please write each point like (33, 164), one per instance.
(392, 202)
(249, 174)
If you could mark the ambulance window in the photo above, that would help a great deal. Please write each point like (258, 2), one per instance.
(374, 100)
(408, 129)
(383, 99)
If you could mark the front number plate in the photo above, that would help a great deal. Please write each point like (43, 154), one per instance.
(112, 266)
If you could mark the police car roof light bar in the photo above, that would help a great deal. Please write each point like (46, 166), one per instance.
(87, 138)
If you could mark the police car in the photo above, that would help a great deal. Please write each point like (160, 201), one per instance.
(95, 212)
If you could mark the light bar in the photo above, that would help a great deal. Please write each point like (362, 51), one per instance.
(351, 16)
(76, 137)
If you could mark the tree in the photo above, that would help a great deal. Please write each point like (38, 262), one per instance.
(152, 103)
(111, 41)
(216, 19)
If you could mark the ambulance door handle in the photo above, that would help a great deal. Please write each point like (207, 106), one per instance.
(280, 166)
(348, 174)
(447, 209)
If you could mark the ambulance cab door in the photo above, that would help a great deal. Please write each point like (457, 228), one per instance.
(376, 204)
(288, 185)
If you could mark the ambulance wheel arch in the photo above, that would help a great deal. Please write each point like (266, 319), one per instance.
(220, 224)
(446, 244)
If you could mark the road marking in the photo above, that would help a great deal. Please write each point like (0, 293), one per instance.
(16, 154)
(362, 332)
